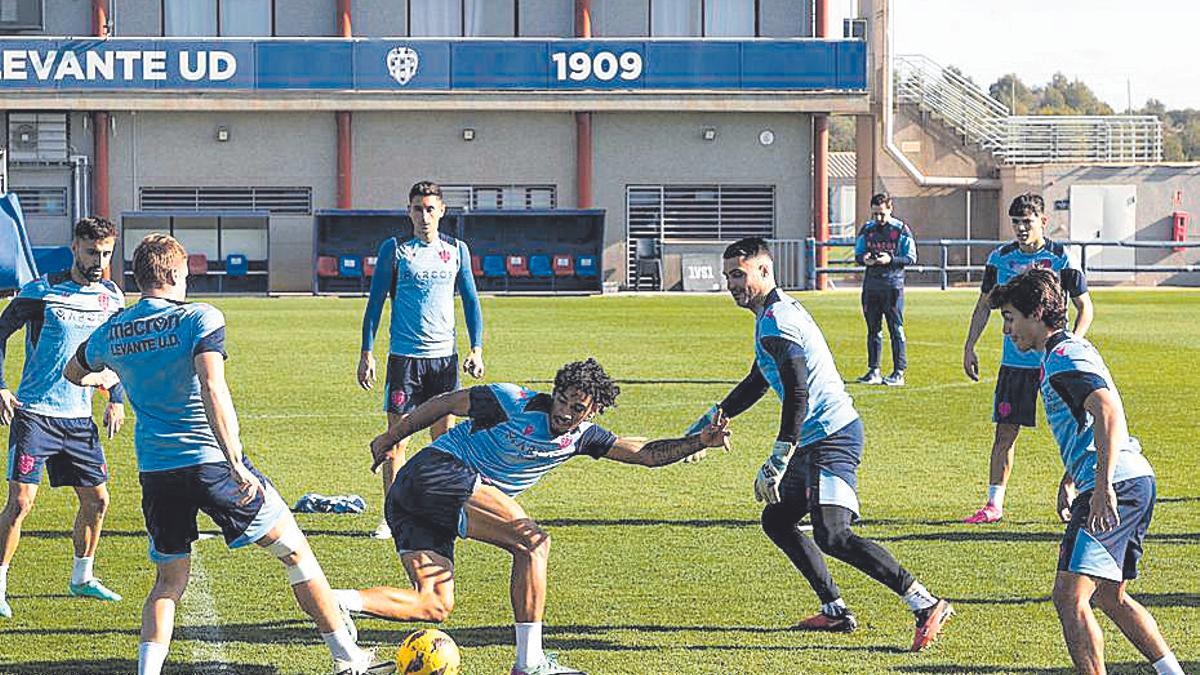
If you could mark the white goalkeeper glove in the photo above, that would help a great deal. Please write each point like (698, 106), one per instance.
(766, 483)
(696, 428)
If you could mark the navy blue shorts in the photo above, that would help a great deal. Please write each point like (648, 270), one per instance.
(1016, 396)
(69, 447)
(1111, 555)
(411, 381)
(424, 507)
(172, 499)
(830, 465)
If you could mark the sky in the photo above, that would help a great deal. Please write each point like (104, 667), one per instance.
(1149, 46)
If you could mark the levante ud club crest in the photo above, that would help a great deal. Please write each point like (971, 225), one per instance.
(402, 64)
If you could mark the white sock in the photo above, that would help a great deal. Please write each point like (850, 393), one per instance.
(151, 656)
(3, 581)
(834, 608)
(996, 496)
(82, 570)
(917, 598)
(1168, 665)
(340, 645)
(349, 598)
(529, 645)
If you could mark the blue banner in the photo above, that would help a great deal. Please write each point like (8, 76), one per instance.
(421, 64)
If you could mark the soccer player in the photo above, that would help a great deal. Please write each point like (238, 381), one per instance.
(885, 245)
(465, 483)
(812, 465)
(51, 418)
(420, 274)
(1110, 515)
(1015, 402)
(170, 355)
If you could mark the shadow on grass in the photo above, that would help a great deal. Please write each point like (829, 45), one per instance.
(1168, 599)
(1115, 668)
(1002, 601)
(125, 666)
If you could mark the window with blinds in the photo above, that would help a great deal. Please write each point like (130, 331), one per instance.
(42, 201)
(697, 212)
(500, 197)
(277, 200)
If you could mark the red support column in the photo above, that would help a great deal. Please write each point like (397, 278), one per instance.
(345, 166)
(100, 127)
(821, 161)
(583, 120)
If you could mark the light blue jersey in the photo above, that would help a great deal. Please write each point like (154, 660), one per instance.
(1008, 261)
(421, 278)
(58, 315)
(829, 406)
(1071, 371)
(508, 440)
(151, 346)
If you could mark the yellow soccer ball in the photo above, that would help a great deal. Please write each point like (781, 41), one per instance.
(428, 652)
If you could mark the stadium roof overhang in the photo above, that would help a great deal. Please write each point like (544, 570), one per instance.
(844, 103)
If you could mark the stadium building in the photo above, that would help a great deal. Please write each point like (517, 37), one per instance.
(584, 141)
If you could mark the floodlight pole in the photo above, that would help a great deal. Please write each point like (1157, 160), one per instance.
(583, 120)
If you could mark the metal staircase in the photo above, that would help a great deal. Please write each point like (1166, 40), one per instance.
(1015, 139)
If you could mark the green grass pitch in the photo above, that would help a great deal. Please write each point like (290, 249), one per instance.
(651, 571)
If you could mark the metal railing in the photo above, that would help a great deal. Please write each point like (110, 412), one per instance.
(1024, 139)
(944, 268)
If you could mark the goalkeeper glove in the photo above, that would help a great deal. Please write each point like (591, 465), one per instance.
(766, 483)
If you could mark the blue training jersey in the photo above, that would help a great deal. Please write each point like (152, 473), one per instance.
(1071, 371)
(785, 331)
(58, 315)
(507, 438)
(1008, 261)
(422, 278)
(151, 346)
(893, 237)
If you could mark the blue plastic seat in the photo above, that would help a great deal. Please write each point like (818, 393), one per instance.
(349, 266)
(585, 266)
(493, 267)
(236, 265)
(539, 266)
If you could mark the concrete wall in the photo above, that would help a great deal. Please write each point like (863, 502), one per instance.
(1156, 188)
(394, 150)
(281, 149)
(667, 148)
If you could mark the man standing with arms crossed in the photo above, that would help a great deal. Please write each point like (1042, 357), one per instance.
(420, 274)
(1015, 403)
(885, 245)
(51, 418)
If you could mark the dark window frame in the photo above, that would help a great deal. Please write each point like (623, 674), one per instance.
(704, 17)
(462, 19)
(162, 18)
(17, 27)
